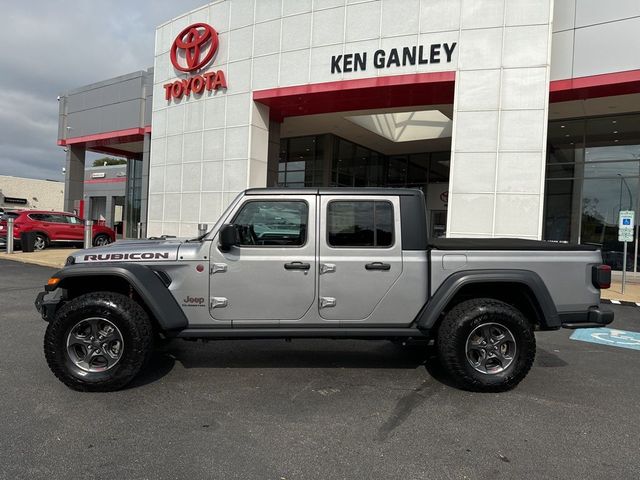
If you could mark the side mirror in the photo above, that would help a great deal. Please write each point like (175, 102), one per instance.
(228, 237)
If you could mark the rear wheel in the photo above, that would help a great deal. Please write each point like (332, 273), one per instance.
(101, 240)
(486, 345)
(98, 342)
(41, 242)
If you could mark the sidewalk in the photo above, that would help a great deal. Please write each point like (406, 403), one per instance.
(50, 257)
(631, 290)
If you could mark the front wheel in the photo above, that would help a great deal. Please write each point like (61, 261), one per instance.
(98, 342)
(486, 345)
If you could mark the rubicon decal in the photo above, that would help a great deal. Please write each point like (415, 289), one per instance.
(103, 257)
(192, 50)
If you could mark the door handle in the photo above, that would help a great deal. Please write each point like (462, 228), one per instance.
(377, 266)
(297, 266)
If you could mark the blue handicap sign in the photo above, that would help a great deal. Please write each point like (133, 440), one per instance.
(608, 336)
(626, 221)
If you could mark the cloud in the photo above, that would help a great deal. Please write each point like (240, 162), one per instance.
(53, 47)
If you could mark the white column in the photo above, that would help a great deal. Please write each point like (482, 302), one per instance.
(500, 120)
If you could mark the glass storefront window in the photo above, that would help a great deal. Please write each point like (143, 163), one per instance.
(133, 197)
(353, 165)
(440, 166)
(300, 162)
(593, 172)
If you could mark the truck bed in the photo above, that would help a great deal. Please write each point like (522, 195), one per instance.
(506, 244)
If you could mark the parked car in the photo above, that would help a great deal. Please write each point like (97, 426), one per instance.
(52, 228)
(328, 263)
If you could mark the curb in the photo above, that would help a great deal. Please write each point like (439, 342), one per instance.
(620, 302)
(41, 263)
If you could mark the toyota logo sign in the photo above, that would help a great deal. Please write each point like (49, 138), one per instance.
(194, 40)
(193, 48)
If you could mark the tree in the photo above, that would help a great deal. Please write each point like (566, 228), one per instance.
(102, 161)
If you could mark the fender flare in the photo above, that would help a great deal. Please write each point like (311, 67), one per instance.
(144, 281)
(430, 313)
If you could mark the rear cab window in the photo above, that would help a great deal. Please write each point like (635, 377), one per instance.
(360, 223)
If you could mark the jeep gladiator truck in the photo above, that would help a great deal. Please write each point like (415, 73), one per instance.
(320, 263)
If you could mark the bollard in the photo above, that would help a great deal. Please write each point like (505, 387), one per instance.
(10, 235)
(139, 231)
(203, 228)
(88, 233)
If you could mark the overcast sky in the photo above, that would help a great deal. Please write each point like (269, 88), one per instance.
(49, 47)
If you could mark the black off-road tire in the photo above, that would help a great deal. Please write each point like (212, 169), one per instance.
(131, 320)
(461, 321)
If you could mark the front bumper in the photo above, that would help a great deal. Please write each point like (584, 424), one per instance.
(47, 303)
(592, 318)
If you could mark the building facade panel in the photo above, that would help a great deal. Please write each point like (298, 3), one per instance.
(592, 37)
(349, 42)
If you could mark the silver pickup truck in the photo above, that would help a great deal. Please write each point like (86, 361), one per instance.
(321, 263)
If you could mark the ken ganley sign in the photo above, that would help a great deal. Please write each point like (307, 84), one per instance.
(191, 51)
(394, 57)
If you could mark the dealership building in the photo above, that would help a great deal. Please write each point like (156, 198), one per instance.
(518, 118)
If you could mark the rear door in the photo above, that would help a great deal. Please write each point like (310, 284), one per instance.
(58, 227)
(360, 255)
(75, 228)
(271, 275)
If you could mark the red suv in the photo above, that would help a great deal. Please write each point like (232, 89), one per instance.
(53, 227)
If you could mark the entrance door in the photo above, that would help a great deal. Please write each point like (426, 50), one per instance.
(360, 255)
(270, 275)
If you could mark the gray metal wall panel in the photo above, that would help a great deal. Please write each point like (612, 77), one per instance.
(107, 95)
(562, 55)
(564, 14)
(108, 118)
(115, 104)
(605, 38)
(110, 171)
(609, 47)
(104, 189)
(592, 12)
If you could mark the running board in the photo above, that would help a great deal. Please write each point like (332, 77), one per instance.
(277, 332)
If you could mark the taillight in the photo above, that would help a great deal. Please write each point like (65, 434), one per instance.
(601, 276)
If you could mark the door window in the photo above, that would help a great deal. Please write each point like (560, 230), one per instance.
(56, 218)
(273, 223)
(360, 224)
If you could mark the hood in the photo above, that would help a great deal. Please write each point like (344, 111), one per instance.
(147, 250)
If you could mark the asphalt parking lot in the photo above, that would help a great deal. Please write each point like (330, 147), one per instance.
(313, 409)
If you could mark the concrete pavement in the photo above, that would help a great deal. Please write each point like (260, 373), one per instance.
(49, 257)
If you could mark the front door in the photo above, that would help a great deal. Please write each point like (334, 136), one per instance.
(360, 255)
(271, 274)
